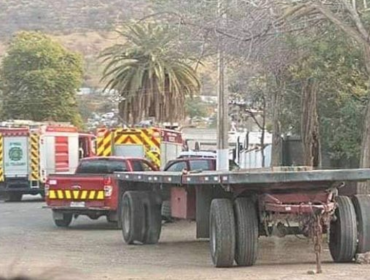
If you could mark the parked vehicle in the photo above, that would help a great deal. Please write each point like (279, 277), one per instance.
(187, 164)
(235, 208)
(195, 164)
(158, 145)
(92, 190)
(198, 154)
(30, 151)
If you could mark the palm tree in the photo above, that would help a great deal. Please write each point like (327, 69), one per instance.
(151, 78)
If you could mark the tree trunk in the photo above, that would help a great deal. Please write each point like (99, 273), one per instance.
(310, 124)
(364, 187)
(263, 133)
(276, 128)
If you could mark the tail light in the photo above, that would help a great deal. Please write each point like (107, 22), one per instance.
(107, 181)
(48, 184)
(108, 189)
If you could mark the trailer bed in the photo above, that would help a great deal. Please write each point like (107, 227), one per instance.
(255, 179)
(235, 208)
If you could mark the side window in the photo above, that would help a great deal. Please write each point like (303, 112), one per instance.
(200, 165)
(139, 165)
(178, 166)
(147, 167)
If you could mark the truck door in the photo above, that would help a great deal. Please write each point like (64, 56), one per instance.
(86, 145)
(16, 156)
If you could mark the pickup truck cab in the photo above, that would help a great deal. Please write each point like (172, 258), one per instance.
(91, 191)
(195, 164)
(189, 162)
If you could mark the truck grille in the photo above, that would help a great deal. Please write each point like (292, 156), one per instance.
(76, 194)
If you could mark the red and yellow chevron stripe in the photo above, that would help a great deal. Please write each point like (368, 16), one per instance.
(76, 194)
(104, 142)
(149, 138)
(34, 148)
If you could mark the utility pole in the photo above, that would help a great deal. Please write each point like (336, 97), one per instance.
(223, 102)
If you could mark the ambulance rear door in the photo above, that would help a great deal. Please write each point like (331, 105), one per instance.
(16, 156)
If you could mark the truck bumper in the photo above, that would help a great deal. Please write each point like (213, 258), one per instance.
(81, 209)
(20, 185)
(92, 212)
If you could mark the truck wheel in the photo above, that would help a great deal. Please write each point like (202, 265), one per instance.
(362, 208)
(246, 222)
(64, 222)
(153, 218)
(14, 197)
(343, 231)
(133, 216)
(222, 232)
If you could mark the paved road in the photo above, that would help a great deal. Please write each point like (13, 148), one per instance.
(30, 243)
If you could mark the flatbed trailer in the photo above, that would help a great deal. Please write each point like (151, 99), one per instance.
(233, 209)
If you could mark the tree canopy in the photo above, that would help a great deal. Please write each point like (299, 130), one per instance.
(150, 76)
(39, 79)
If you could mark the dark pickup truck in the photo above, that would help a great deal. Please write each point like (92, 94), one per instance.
(91, 191)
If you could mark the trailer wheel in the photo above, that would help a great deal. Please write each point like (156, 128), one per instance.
(65, 221)
(133, 216)
(246, 222)
(222, 232)
(14, 197)
(362, 208)
(153, 218)
(343, 231)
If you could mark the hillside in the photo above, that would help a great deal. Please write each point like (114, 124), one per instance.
(84, 26)
(65, 16)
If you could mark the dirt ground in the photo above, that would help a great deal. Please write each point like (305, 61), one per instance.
(31, 244)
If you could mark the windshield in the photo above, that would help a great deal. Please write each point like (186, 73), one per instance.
(101, 166)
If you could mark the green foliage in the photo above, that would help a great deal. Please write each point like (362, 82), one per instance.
(195, 107)
(342, 94)
(39, 79)
(149, 74)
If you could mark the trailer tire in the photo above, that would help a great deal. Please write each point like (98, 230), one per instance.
(362, 208)
(65, 221)
(14, 197)
(153, 218)
(246, 222)
(343, 231)
(132, 214)
(222, 232)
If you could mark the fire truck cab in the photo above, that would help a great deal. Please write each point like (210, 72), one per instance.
(158, 145)
(30, 151)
